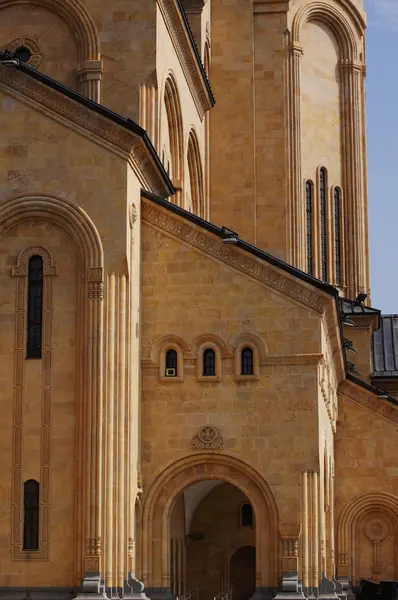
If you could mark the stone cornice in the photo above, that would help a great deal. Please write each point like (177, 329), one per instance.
(187, 56)
(93, 125)
(368, 399)
(276, 279)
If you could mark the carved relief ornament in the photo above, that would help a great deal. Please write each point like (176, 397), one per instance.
(207, 438)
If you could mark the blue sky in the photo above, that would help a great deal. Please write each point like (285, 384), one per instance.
(382, 141)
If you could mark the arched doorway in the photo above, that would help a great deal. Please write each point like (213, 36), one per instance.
(242, 573)
(159, 503)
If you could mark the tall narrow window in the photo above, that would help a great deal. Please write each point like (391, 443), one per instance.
(322, 212)
(246, 515)
(337, 234)
(171, 363)
(308, 212)
(247, 367)
(35, 307)
(31, 515)
(209, 362)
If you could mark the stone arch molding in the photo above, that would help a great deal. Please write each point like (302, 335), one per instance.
(159, 503)
(336, 21)
(360, 506)
(22, 268)
(67, 215)
(76, 15)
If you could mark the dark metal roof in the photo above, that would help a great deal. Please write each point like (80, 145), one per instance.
(385, 347)
(350, 307)
(94, 106)
(196, 50)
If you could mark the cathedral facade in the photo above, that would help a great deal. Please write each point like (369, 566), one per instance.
(198, 400)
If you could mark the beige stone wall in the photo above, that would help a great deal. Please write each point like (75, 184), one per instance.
(264, 422)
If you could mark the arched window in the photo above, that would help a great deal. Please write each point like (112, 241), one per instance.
(246, 515)
(176, 134)
(337, 234)
(31, 515)
(171, 363)
(323, 227)
(209, 362)
(195, 175)
(247, 362)
(309, 187)
(35, 307)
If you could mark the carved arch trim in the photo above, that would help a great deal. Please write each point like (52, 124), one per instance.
(176, 133)
(214, 339)
(195, 170)
(22, 267)
(202, 466)
(165, 342)
(78, 18)
(338, 23)
(347, 533)
(255, 339)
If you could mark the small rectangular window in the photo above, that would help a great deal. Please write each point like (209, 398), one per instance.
(31, 515)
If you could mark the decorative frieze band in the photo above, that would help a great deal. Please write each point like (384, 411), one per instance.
(240, 260)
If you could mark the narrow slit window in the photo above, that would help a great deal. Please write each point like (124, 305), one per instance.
(209, 362)
(31, 515)
(35, 307)
(171, 363)
(247, 366)
(337, 234)
(322, 211)
(246, 515)
(308, 213)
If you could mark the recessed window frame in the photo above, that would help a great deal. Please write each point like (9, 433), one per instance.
(200, 365)
(238, 361)
(241, 519)
(338, 236)
(180, 363)
(31, 516)
(323, 225)
(309, 224)
(35, 312)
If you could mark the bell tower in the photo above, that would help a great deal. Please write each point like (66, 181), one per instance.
(288, 153)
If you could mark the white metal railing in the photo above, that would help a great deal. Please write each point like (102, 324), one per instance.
(223, 596)
(189, 595)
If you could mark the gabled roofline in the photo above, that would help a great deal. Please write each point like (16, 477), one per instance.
(196, 50)
(126, 123)
(372, 388)
(273, 260)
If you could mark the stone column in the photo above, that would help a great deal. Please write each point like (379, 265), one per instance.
(89, 75)
(93, 448)
(297, 251)
(355, 202)
(290, 588)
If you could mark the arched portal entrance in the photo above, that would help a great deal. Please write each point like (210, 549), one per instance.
(159, 554)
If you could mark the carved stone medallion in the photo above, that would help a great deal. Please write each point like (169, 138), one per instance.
(207, 439)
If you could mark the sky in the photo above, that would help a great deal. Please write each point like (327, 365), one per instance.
(382, 143)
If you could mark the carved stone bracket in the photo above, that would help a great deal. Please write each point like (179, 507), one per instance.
(96, 283)
(207, 439)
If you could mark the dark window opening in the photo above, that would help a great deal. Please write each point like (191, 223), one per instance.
(246, 516)
(322, 199)
(247, 367)
(337, 234)
(209, 362)
(171, 363)
(35, 307)
(31, 515)
(308, 212)
(23, 54)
